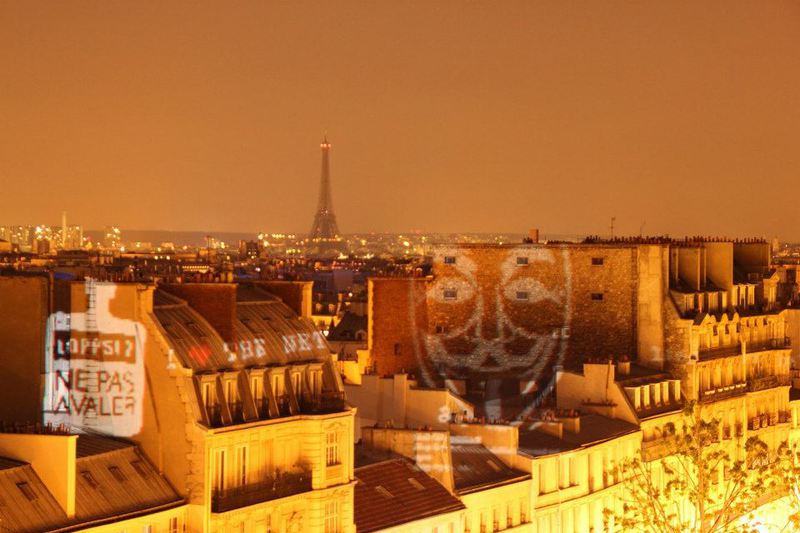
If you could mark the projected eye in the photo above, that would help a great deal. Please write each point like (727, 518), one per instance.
(529, 290)
(451, 290)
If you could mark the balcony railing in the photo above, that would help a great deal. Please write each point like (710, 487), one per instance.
(768, 382)
(723, 393)
(769, 344)
(282, 485)
(326, 402)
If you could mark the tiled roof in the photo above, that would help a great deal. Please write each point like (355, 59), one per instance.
(474, 466)
(397, 492)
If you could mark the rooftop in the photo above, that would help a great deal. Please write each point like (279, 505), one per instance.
(396, 492)
(475, 467)
(594, 429)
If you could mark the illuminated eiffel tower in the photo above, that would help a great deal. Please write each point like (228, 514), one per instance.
(324, 227)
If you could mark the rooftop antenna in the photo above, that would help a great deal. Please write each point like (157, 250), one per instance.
(611, 227)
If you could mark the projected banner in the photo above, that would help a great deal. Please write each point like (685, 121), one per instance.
(95, 365)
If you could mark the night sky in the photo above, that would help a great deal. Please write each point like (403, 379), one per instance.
(444, 116)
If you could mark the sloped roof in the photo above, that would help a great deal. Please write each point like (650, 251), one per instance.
(25, 503)
(267, 329)
(116, 482)
(397, 492)
(348, 326)
(474, 466)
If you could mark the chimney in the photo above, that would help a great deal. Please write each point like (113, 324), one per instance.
(52, 458)
(533, 234)
(571, 424)
(295, 294)
(216, 302)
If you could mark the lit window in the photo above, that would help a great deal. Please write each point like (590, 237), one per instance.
(219, 471)
(332, 448)
(241, 466)
(597, 296)
(332, 517)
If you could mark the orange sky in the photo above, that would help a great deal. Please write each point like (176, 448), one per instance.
(444, 116)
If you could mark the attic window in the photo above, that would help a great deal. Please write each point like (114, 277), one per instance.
(89, 478)
(597, 261)
(416, 484)
(494, 465)
(138, 465)
(117, 473)
(383, 492)
(27, 490)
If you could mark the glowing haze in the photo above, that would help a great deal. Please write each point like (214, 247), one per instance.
(444, 116)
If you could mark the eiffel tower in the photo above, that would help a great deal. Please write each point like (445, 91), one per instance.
(324, 227)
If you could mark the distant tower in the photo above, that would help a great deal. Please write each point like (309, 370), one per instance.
(63, 229)
(324, 227)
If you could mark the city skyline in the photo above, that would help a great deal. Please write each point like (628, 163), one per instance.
(669, 118)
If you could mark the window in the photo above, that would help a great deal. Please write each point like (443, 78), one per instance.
(416, 484)
(332, 517)
(450, 294)
(522, 261)
(241, 466)
(383, 491)
(117, 473)
(147, 529)
(449, 260)
(173, 525)
(89, 478)
(439, 328)
(332, 448)
(255, 388)
(522, 295)
(208, 398)
(219, 471)
(397, 348)
(597, 261)
(597, 296)
(27, 490)
(138, 465)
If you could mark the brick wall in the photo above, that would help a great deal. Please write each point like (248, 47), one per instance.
(500, 311)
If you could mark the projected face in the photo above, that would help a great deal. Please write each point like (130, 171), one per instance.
(498, 312)
(94, 377)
